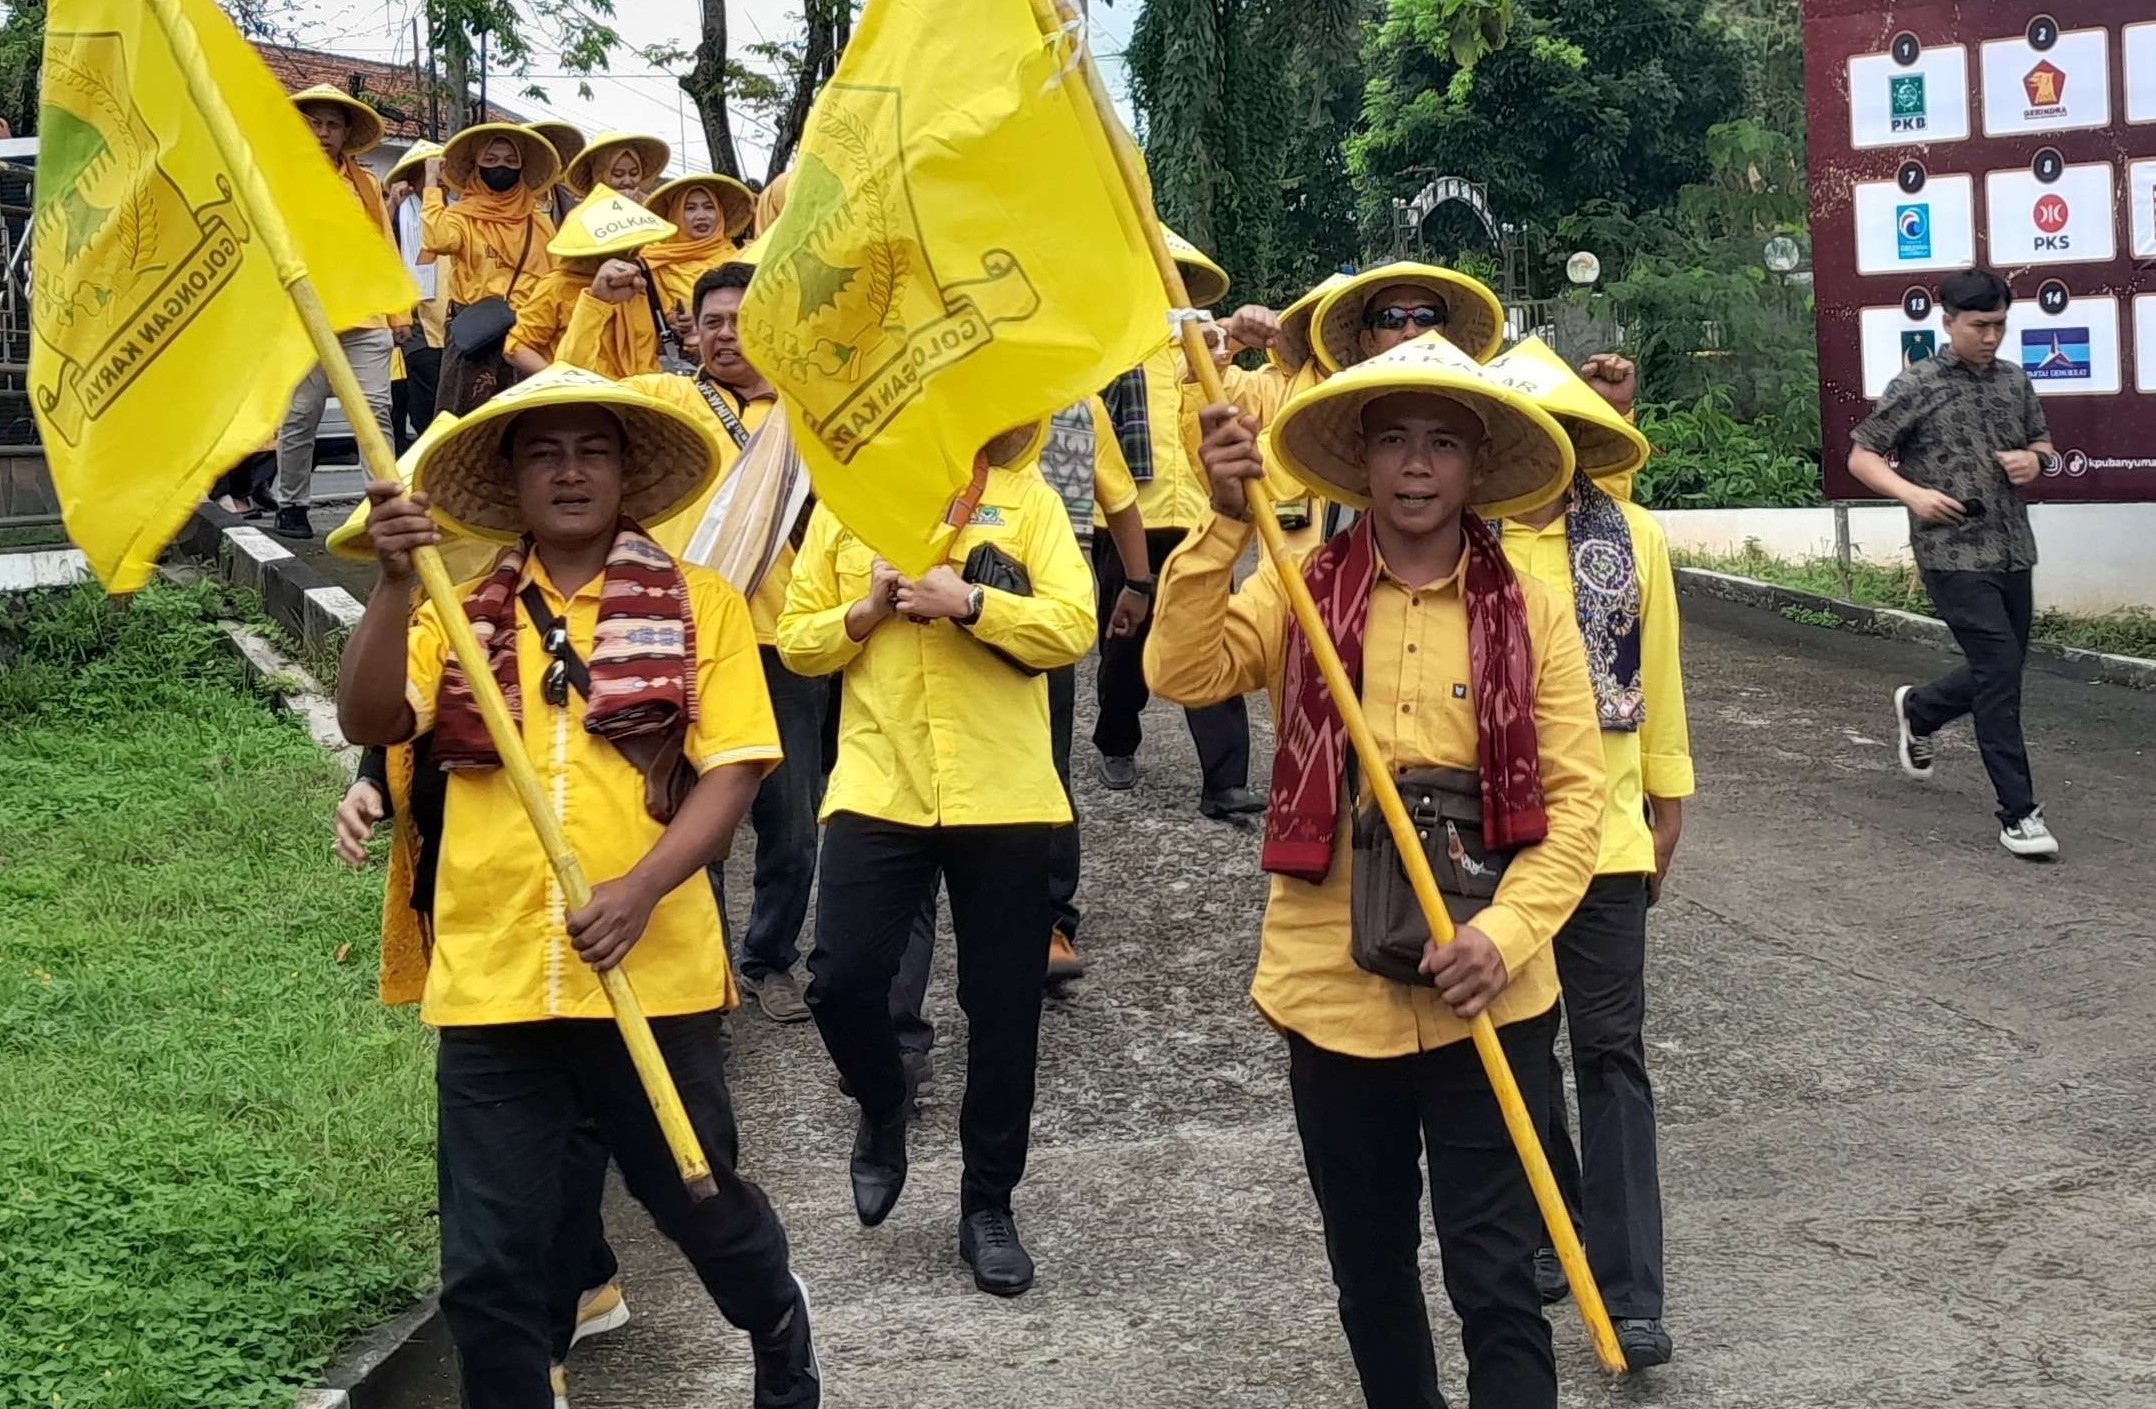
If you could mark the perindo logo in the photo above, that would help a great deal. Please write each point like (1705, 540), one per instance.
(1907, 109)
(1912, 232)
(2051, 214)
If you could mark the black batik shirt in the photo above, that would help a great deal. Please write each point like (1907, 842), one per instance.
(1945, 421)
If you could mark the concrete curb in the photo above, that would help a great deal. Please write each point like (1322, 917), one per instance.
(293, 594)
(2069, 661)
(389, 1365)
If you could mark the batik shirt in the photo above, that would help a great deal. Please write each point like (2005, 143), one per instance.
(1946, 420)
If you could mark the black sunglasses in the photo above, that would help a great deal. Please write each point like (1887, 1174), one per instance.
(1393, 319)
(554, 685)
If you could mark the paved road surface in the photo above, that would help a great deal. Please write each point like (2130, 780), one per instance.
(1905, 1085)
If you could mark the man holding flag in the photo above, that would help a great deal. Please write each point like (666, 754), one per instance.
(958, 256)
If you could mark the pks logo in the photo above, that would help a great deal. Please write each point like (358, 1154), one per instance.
(1907, 108)
(1912, 232)
(2051, 214)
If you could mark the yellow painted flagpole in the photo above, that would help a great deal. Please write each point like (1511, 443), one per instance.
(1518, 1121)
(375, 453)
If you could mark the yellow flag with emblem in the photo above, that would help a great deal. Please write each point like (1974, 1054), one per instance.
(164, 348)
(958, 256)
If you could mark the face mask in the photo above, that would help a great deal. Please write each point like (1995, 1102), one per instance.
(500, 178)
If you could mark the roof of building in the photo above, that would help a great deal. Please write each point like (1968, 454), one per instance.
(390, 89)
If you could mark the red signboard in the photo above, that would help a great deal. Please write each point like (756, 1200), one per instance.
(2017, 136)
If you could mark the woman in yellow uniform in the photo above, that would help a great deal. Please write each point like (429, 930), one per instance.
(593, 311)
(712, 212)
(629, 163)
(493, 239)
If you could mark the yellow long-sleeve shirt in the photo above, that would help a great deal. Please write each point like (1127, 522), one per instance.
(1656, 760)
(1176, 495)
(674, 534)
(483, 255)
(1418, 694)
(934, 729)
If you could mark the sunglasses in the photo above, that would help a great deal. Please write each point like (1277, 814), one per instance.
(1393, 319)
(554, 685)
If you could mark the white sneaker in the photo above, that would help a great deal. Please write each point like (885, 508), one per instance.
(2030, 838)
(1917, 750)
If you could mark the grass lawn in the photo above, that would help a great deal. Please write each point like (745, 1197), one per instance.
(215, 1147)
(2124, 633)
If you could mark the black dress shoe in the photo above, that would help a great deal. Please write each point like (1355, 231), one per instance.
(1644, 1343)
(1118, 775)
(988, 1241)
(879, 1167)
(1230, 802)
(1550, 1278)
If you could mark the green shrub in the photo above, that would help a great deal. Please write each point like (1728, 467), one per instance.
(1705, 458)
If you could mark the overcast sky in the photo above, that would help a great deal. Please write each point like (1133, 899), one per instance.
(631, 96)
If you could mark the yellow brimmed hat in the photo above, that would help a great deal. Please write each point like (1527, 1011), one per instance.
(464, 557)
(1205, 281)
(365, 132)
(1292, 348)
(460, 158)
(566, 138)
(1526, 460)
(1476, 321)
(418, 156)
(670, 457)
(583, 168)
(737, 204)
(1603, 442)
(607, 223)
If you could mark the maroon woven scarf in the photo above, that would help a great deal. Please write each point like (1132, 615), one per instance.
(643, 673)
(1313, 745)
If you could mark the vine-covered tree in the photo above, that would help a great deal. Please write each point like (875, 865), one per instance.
(1583, 100)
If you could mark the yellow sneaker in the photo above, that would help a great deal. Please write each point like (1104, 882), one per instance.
(598, 1311)
(560, 1380)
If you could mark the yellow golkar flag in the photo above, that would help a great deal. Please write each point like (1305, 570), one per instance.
(164, 348)
(958, 256)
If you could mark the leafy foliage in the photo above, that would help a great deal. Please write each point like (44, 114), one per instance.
(1243, 107)
(214, 1144)
(1708, 459)
(1587, 100)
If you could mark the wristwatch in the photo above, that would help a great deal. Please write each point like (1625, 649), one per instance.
(1145, 589)
(975, 600)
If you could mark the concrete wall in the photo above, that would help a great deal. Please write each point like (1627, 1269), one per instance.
(2094, 557)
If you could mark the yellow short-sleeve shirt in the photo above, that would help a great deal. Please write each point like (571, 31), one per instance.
(501, 948)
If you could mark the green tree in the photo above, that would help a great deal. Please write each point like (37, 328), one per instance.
(1242, 108)
(1584, 101)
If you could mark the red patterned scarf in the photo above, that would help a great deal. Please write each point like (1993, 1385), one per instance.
(643, 678)
(1313, 745)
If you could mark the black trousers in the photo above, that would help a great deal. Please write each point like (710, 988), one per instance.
(1613, 1184)
(1989, 614)
(422, 372)
(510, 1100)
(874, 878)
(583, 1259)
(1063, 848)
(1366, 1126)
(784, 816)
(1221, 731)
